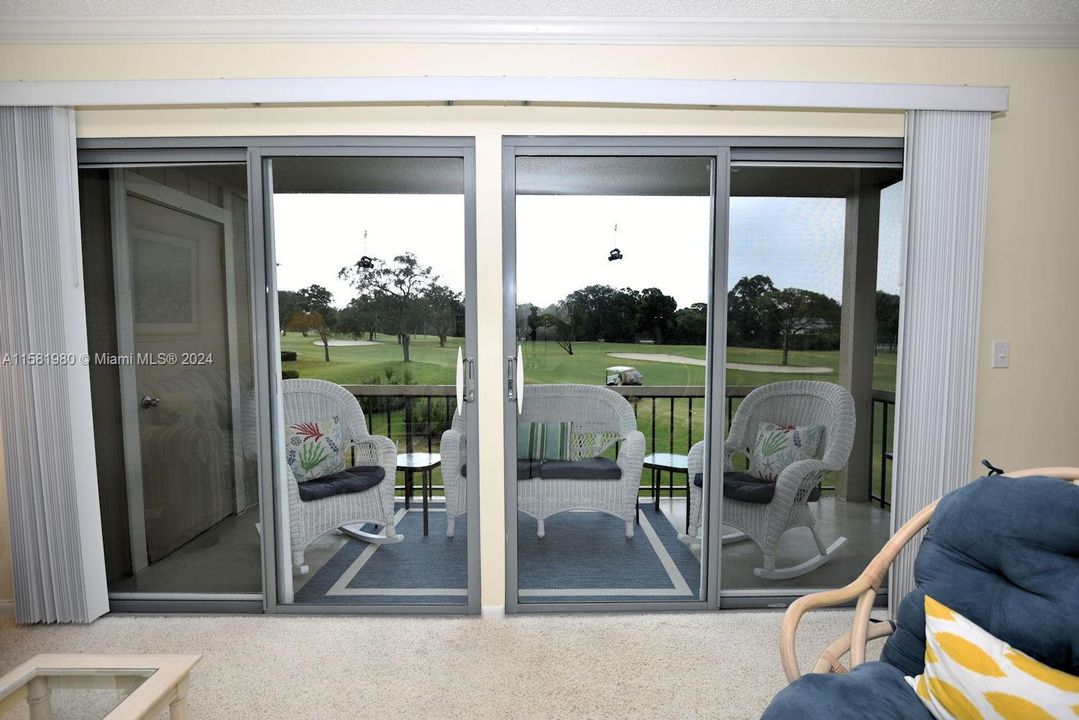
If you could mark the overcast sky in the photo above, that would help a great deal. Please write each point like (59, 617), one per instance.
(563, 241)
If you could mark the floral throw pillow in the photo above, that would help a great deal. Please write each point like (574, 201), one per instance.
(315, 449)
(778, 446)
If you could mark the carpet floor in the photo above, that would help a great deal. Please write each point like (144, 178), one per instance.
(681, 665)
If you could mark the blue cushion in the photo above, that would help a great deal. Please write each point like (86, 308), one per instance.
(872, 690)
(353, 480)
(526, 469)
(1004, 553)
(740, 486)
(586, 469)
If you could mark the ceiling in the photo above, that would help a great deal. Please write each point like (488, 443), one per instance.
(979, 23)
(569, 175)
(369, 175)
(1025, 11)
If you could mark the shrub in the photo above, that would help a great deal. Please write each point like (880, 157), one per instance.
(288, 355)
(290, 374)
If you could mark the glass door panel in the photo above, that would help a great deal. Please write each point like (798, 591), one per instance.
(167, 273)
(371, 280)
(812, 317)
(613, 257)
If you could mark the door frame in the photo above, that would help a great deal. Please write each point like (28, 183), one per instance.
(268, 371)
(122, 184)
(514, 147)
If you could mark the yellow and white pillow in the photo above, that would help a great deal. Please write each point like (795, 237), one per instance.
(971, 675)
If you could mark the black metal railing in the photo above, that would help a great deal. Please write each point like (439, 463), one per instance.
(415, 416)
(880, 461)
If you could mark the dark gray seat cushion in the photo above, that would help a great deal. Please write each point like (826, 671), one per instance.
(586, 469)
(1004, 553)
(874, 690)
(526, 469)
(744, 487)
(351, 480)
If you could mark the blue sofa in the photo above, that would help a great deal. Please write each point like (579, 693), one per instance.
(1003, 552)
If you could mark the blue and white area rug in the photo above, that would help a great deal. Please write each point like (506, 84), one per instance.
(420, 570)
(586, 557)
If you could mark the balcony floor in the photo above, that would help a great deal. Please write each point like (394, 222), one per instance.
(865, 525)
(226, 558)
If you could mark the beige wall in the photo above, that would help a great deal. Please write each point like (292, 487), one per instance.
(1026, 415)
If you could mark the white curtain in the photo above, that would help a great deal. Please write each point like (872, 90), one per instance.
(945, 172)
(49, 461)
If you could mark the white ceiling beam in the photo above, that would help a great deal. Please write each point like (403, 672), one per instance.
(484, 89)
(523, 29)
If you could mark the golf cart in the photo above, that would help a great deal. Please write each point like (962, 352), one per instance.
(624, 375)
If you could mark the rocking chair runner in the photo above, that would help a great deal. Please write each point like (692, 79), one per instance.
(875, 683)
(798, 402)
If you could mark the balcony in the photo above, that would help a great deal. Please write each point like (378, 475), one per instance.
(672, 419)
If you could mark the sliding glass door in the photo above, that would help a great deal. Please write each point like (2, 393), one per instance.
(611, 255)
(372, 377)
(700, 343)
(812, 314)
(282, 344)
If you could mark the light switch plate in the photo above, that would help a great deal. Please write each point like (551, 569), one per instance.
(1002, 353)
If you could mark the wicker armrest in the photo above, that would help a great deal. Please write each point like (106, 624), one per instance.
(865, 589)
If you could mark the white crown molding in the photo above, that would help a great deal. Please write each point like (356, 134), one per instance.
(565, 30)
(484, 89)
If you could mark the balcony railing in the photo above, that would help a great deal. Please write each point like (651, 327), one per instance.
(415, 416)
(880, 476)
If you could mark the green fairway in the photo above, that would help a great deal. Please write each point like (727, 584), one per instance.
(546, 362)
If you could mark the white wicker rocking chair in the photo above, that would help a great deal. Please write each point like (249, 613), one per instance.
(313, 400)
(798, 402)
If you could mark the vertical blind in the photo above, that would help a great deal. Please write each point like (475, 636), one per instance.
(49, 462)
(945, 171)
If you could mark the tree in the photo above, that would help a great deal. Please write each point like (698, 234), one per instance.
(359, 318)
(604, 313)
(655, 312)
(795, 312)
(289, 302)
(399, 289)
(444, 306)
(887, 319)
(690, 325)
(747, 323)
(318, 313)
(563, 331)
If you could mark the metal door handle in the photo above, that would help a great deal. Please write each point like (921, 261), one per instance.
(149, 402)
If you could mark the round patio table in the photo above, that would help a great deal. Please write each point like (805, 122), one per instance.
(423, 463)
(670, 463)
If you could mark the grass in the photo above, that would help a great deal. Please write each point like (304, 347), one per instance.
(545, 362)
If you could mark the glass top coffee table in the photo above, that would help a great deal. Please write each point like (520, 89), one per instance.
(97, 687)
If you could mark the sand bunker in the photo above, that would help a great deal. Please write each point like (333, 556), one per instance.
(347, 343)
(749, 367)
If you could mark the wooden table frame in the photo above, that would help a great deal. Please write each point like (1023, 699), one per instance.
(166, 687)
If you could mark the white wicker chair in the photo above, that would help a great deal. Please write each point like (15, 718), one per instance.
(591, 409)
(312, 400)
(454, 454)
(798, 402)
